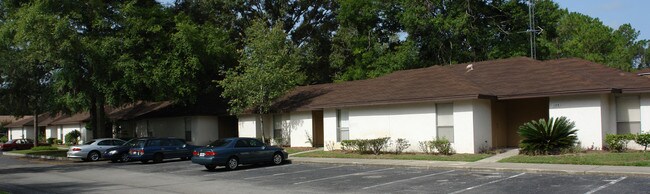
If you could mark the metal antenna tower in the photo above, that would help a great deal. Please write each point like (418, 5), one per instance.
(531, 29)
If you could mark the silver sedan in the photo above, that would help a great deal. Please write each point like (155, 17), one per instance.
(91, 151)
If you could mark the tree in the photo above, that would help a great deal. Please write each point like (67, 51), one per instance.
(27, 49)
(268, 68)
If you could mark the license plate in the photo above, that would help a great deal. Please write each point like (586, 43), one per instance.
(202, 154)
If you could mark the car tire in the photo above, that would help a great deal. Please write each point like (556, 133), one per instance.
(210, 167)
(158, 158)
(232, 163)
(124, 157)
(277, 159)
(93, 156)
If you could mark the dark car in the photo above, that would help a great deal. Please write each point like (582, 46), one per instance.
(231, 152)
(158, 149)
(120, 153)
(17, 144)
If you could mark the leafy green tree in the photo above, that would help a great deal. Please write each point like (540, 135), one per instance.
(547, 137)
(28, 42)
(268, 68)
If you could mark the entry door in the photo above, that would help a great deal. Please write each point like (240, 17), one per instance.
(317, 128)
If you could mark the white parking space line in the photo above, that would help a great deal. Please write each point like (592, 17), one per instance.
(412, 178)
(252, 169)
(339, 176)
(606, 185)
(491, 182)
(295, 172)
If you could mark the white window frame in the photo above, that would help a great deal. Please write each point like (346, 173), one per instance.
(342, 125)
(449, 125)
(631, 116)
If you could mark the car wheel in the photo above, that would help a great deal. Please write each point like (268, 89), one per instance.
(210, 166)
(144, 161)
(158, 158)
(232, 164)
(124, 157)
(93, 156)
(277, 159)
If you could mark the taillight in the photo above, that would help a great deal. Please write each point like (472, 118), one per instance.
(210, 153)
(76, 149)
(195, 153)
(136, 152)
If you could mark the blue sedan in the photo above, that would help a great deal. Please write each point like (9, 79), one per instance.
(231, 152)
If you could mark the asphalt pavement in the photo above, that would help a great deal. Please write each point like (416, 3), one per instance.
(22, 175)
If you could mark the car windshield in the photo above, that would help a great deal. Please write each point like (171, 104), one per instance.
(10, 141)
(90, 142)
(220, 143)
(130, 142)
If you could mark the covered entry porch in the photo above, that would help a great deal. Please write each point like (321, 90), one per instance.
(508, 115)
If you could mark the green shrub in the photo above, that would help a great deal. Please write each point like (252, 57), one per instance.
(51, 140)
(442, 146)
(3, 139)
(401, 144)
(426, 147)
(72, 137)
(58, 141)
(376, 145)
(362, 146)
(547, 137)
(347, 145)
(44, 148)
(643, 139)
(618, 143)
(41, 137)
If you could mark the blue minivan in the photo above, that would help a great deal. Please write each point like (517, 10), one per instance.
(158, 149)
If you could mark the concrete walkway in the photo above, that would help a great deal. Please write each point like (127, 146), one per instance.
(317, 149)
(489, 164)
(507, 154)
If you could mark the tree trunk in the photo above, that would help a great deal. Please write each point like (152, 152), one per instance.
(262, 127)
(93, 116)
(35, 127)
(100, 119)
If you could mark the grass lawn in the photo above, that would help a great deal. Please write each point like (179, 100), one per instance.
(404, 156)
(589, 158)
(55, 153)
(292, 150)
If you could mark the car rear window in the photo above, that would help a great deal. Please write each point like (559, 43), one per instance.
(220, 143)
(137, 143)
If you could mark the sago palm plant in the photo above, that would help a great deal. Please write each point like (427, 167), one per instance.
(547, 137)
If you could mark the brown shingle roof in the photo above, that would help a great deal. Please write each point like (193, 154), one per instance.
(20, 122)
(74, 119)
(512, 78)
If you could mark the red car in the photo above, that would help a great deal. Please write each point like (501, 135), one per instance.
(17, 144)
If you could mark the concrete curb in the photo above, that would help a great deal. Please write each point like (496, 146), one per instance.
(504, 167)
(38, 156)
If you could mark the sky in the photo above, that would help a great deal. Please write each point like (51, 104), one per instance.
(614, 13)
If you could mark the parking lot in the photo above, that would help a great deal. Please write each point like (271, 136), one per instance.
(184, 177)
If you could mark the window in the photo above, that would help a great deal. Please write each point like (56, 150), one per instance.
(188, 129)
(177, 142)
(445, 121)
(255, 143)
(628, 115)
(277, 126)
(105, 143)
(342, 125)
(242, 143)
(154, 142)
(118, 142)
